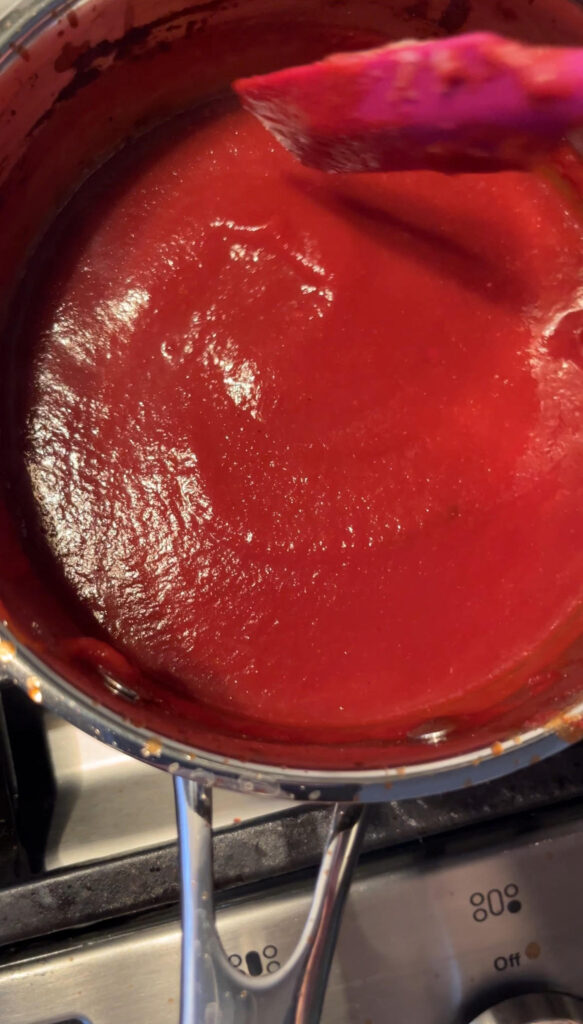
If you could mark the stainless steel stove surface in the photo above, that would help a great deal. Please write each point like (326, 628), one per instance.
(460, 901)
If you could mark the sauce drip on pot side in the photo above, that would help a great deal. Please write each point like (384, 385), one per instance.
(311, 448)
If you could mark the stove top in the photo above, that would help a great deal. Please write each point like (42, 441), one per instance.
(459, 901)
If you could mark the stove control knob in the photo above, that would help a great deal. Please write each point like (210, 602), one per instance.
(542, 1008)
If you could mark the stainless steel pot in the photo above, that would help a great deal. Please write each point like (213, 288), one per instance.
(52, 54)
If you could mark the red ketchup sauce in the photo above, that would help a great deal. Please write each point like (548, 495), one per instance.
(310, 448)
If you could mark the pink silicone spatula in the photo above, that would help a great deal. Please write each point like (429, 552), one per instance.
(469, 103)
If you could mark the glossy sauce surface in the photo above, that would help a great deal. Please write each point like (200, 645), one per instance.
(308, 447)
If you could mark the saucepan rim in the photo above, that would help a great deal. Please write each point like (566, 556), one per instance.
(45, 686)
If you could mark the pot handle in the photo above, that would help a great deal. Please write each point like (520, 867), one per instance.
(212, 990)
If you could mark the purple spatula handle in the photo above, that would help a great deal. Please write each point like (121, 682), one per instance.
(474, 102)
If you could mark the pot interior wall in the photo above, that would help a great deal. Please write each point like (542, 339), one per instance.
(78, 80)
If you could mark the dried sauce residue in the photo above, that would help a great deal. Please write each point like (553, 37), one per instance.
(152, 748)
(69, 56)
(21, 51)
(7, 651)
(33, 689)
(569, 728)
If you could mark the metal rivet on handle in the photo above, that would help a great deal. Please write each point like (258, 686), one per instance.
(119, 689)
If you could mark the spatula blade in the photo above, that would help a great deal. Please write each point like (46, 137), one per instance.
(471, 103)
